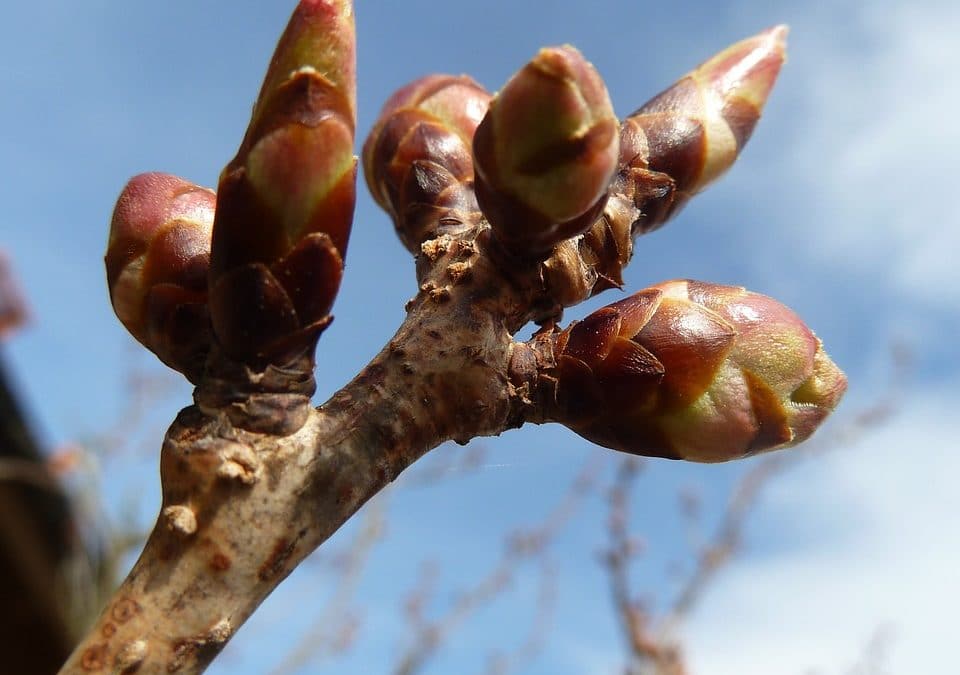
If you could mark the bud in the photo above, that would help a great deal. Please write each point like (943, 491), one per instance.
(669, 150)
(286, 201)
(417, 159)
(320, 36)
(688, 135)
(696, 371)
(546, 152)
(157, 259)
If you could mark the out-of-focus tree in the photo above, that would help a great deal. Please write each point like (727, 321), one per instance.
(38, 538)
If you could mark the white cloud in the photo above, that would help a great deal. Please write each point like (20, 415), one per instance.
(891, 562)
(875, 159)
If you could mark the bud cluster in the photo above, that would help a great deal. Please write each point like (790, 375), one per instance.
(255, 268)
(683, 369)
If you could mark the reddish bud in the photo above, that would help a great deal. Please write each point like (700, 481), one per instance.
(688, 135)
(417, 158)
(157, 260)
(546, 152)
(695, 371)
(286, 201)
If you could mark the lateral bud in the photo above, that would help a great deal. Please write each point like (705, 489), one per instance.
(286, 200)
(545, 152)
(417, 159)
(684, 138)
(158, 255)
(695, 371)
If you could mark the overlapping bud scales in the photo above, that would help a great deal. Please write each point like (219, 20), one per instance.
(417, 159)
(688, 135)
(546, 151)
(157, 260)
(670, 149)
(696, 371)
(285, 202)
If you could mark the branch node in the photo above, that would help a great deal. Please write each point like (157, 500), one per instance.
(238, 462)
(220, 632)
(180, 520)
(459, 272)
(434, 248)
(275, 400)
(191, 649)
(440, 295)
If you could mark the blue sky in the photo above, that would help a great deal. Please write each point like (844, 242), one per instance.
(843, 206)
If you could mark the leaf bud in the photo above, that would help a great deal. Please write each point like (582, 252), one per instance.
(417, 159)
(696, 371)
(158, 255)
(285, 202)
(546, 151)
(684, 138)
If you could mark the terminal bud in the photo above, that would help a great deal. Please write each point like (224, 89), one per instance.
(285, 202)
(546, 151)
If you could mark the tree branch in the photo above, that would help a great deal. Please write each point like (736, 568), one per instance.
(516, 206)
(242, 508)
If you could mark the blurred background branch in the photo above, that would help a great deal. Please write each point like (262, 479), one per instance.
(37, 533)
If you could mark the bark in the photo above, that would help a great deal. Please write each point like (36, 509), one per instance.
(243, 506)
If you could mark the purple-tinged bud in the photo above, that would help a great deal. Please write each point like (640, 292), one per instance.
(417, 159)
(285, 202)
(696, 371)
(546, 152)
(158, 256)
(688, 135)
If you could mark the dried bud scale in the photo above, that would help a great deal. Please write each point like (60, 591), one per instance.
(157, 260)
(417, 159)
(695, 371)
(581, 267)
(546, 151)
(286, 200)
